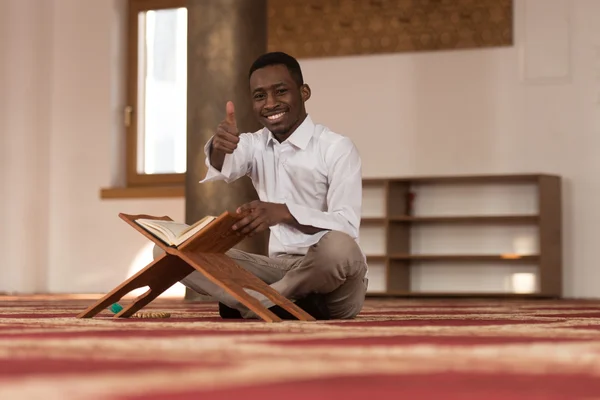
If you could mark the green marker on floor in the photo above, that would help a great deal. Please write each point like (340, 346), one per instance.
(116, 308)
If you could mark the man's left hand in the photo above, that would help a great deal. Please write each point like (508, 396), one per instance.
(262, 215)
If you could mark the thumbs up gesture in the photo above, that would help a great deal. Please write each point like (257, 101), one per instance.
(227, 135)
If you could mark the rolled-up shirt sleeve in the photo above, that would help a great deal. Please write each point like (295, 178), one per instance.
(235, 165)
(344, 197)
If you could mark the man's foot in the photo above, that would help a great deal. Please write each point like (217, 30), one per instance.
(314, 304)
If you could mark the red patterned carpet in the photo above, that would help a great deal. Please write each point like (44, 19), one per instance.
(409, 349)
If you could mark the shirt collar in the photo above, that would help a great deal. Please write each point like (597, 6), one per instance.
(301, 135)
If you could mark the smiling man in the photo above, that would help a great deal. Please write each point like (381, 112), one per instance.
(308, 179)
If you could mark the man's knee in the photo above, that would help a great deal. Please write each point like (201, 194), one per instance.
(338, 250)
(157, 252)
(337, 246)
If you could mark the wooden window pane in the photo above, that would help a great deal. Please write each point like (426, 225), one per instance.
(156, 113)
(162, 85)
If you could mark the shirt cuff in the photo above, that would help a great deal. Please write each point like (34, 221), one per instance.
(213, 174)
(318, 219)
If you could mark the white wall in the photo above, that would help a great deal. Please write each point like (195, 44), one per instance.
(534, 107)
(411, 114)
(88, 99)
(60, 130)
(24, 152)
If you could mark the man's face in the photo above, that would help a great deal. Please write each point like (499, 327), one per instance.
(277, 100)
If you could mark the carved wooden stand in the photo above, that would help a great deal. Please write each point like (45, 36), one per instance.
(204, 252)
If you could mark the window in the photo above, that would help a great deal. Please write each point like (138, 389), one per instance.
(156, 111)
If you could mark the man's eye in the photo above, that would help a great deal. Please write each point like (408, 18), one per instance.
(258, 96)
(281, 91)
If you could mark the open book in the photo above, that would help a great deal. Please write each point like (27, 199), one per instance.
(173, 233)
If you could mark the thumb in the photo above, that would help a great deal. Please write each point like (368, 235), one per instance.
(230, 113)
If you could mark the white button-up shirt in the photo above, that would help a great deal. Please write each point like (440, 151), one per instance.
(317, 173)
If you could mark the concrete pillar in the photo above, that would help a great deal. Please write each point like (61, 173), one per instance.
(224, 38)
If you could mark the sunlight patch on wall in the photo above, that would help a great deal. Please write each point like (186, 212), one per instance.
(523, 283)
(143, 258)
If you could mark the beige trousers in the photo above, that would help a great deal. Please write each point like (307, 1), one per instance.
(334, 267)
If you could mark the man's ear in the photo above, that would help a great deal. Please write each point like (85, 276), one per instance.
(305, 91)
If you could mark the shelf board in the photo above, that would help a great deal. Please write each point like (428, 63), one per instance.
(373, 220)
(469, 295)
(455, 257)
(376, 257)
(467, 219)
(458, 219)
(465, 257)
(503, 178)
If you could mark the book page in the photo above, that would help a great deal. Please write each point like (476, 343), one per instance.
(193, 229)
(201, 224)
(167, 231)
(171, 232)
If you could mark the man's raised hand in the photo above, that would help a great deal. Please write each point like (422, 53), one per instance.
(227, 135)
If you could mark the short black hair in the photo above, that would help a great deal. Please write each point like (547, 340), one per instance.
(279, 58)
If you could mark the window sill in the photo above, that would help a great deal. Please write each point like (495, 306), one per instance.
(142, 192)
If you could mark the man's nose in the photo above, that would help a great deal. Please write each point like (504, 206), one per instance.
(270, 102)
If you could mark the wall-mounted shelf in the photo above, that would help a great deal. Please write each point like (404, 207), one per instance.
(510, 258)
(402, 222)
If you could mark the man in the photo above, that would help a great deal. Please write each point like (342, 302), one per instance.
(309, 183)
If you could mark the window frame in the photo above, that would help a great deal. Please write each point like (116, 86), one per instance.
(133, 177)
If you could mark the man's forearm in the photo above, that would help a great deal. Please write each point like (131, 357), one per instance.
(217, 158)
(307, 229)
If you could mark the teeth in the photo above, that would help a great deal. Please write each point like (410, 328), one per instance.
(276, 116)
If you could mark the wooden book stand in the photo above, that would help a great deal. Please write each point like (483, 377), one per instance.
(204, 252)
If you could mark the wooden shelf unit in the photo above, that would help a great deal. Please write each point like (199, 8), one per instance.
(398, 221)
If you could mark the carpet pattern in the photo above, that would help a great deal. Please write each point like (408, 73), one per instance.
(450, 349)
